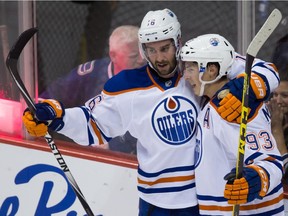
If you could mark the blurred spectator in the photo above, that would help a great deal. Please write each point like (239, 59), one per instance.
(88, 79)
(279, 102)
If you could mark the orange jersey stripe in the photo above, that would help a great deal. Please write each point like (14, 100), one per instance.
(128, 90)
(263, 204)
(97, 132)
(167, 180)
(246, 207)
(274, 67)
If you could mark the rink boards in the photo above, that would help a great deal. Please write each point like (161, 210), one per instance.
(32, 182)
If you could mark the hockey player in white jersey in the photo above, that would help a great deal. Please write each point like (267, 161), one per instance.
(157, 106)
(208, 60)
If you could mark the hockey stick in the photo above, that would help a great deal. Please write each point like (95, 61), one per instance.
(258, 41)
(11, 63)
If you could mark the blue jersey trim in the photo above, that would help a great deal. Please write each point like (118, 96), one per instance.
(128, 79)
(272, 212)
(211, 198)
(169, 170)
(143, 77)
(165, 190)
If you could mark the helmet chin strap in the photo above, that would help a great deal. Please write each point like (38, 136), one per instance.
(203, 83)
(202, 87)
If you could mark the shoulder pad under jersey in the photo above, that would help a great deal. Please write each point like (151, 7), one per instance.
(133, 79)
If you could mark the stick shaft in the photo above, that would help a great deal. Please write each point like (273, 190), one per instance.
(11, 63)
(258, 41)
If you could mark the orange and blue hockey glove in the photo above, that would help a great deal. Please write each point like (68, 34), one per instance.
(49, 114)
(254, 184)
(230, 95)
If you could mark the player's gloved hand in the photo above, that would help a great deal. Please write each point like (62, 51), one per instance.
(231, 104)
(253, 184)
(230, 108)
(49, 113)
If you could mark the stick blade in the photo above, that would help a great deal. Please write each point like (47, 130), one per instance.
(264, 33)
(12, 60)
(20, 43)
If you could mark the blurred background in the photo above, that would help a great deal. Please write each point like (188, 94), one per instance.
(74, 32)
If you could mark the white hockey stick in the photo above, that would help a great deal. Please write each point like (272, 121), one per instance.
(258, 41)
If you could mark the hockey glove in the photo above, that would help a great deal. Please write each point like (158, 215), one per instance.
(253, 184)
(49, 113)
(230, 106)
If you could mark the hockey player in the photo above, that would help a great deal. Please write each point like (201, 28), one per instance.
(157, 106)
(208, 60)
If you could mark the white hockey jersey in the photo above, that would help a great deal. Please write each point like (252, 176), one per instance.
(216, 154)
(161, 114)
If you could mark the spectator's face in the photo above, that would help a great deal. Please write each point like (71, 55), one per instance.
(161, 54)
(128, 57)
(281, 95)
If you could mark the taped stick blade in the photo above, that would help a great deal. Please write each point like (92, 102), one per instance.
(264, 33)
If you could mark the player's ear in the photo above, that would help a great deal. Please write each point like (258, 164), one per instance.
(112, 55)
(212, 70)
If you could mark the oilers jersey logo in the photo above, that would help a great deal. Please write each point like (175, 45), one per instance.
(174, 120)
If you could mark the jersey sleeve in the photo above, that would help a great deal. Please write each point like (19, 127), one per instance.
(77, 126)
(101, 119)
(266, 70)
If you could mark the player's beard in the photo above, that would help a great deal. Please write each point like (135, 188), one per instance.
(165, 69)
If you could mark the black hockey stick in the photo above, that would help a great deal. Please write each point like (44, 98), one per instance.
(11, 63)
(258, 41)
